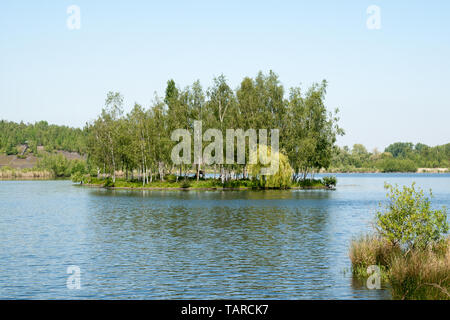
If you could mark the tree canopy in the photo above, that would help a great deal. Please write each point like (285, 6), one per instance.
(50, 136)
(140, 140)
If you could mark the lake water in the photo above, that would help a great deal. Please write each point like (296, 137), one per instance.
(190, 244)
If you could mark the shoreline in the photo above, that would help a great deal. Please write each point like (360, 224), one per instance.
(424, 172)
(201, 188)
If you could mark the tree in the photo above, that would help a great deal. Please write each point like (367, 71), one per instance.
(221, 104)
(282, 178)
(140, 140)
(311, 131)
(104, 134)
(400, 149)
(196, 106)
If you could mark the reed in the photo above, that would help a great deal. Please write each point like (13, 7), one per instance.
(413, 274)
(9, 173)
(422, 274)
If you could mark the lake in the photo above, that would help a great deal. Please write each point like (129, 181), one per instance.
(190, 244)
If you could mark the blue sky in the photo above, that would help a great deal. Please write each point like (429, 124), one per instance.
(390, 84)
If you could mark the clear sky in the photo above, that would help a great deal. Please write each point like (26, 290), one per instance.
(391, 84)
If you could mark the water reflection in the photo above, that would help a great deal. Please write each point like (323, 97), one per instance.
(217, 244)
(189, 244)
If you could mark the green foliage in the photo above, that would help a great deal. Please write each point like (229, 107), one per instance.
(186, 184)
(171, 178)
(60, 166)
(140, 140)
(309, 131)
(56, 163)
(11, 149)
(52, 137)
(398, 157)
(92, 171)
(236, 184)
(400, 149)
(79, 166)
(309, 184)
(329, 181)
(410, 247)
(192, 183)
(396, 165)
(78, 177)
(409, 220)
(109, 183)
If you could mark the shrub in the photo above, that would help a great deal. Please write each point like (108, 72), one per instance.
(77, 177)
(56, 163)
(329, 181)
(171, 178)
(60, 166)
(93, 172)
(78, 166)
(409, 220)
(396, 165)
(108, 183)
(11, 150)
(309, 183)
(185, 184)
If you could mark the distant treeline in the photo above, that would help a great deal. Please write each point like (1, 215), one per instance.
(397, 157)
(140, 140)
(51, 137)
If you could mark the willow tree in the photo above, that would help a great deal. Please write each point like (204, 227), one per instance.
(260, 104)
(281, 178)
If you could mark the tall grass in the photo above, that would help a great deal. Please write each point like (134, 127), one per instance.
(412, 274)
(371, 250)
(10, 173)
(422, 274)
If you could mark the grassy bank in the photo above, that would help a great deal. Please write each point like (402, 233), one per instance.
(192, 183)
